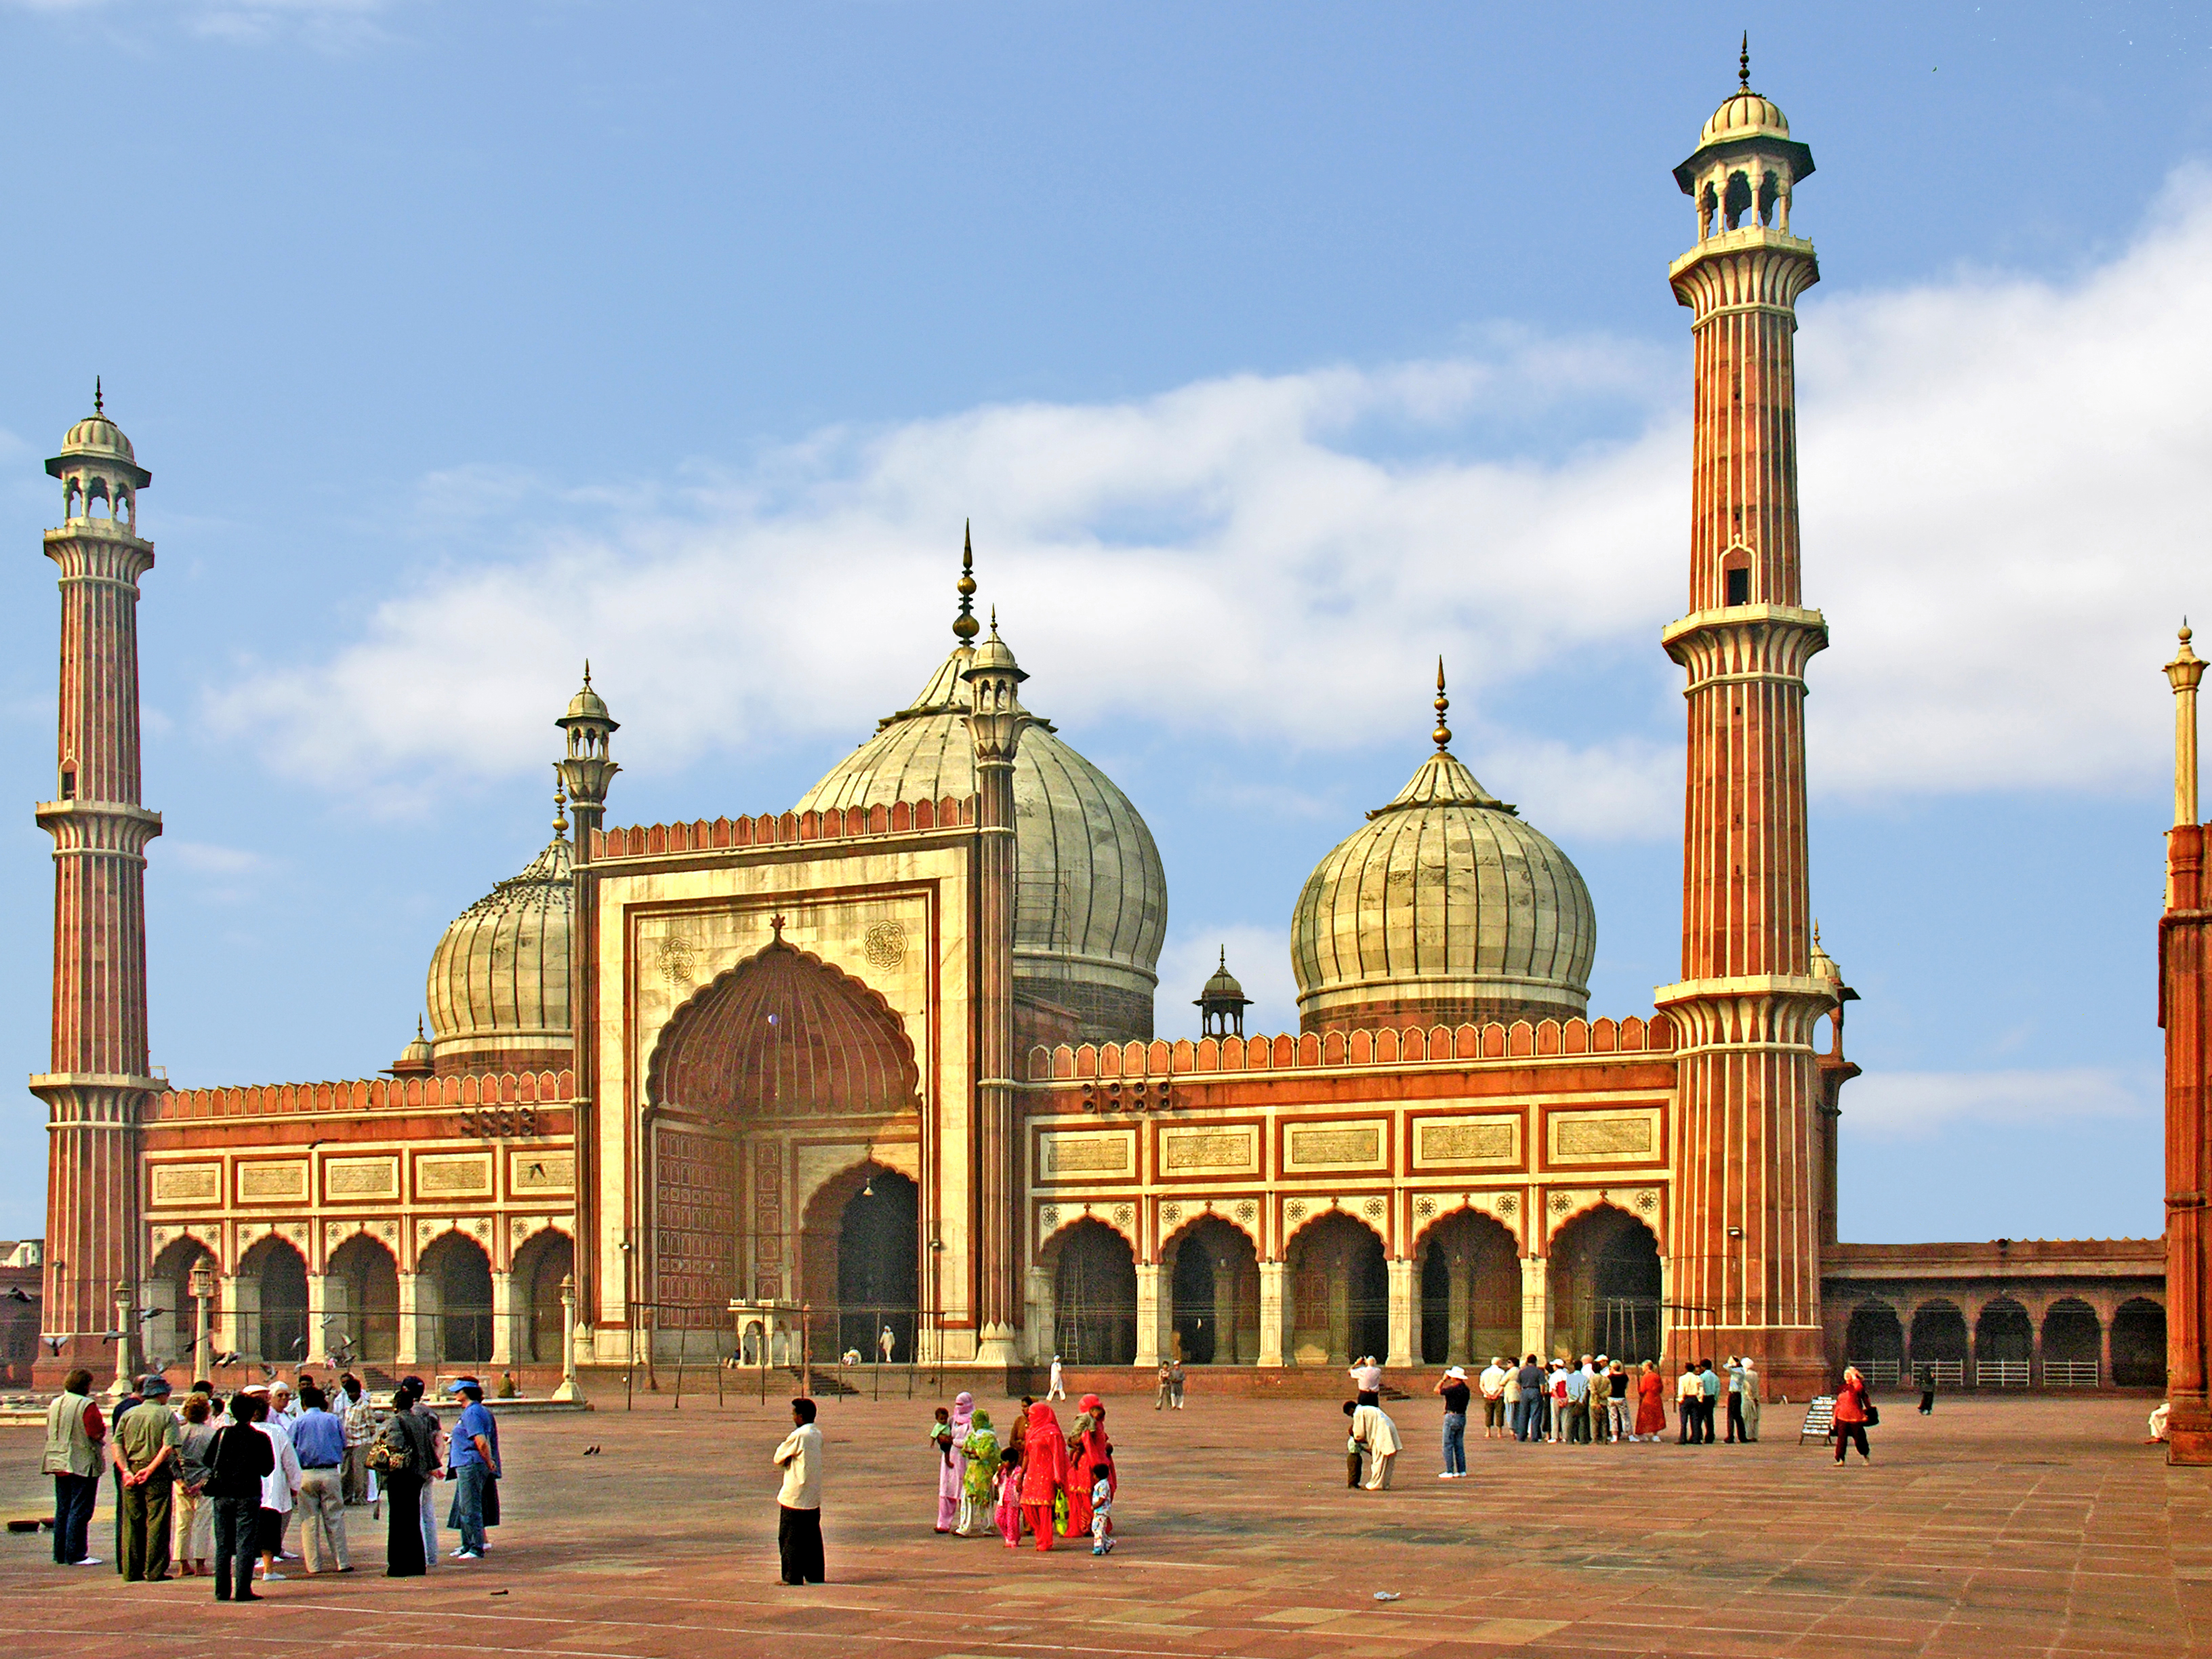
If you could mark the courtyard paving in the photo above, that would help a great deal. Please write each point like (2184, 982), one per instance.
(2013, 1526)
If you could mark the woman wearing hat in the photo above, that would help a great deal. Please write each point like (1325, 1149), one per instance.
(1452, 1385)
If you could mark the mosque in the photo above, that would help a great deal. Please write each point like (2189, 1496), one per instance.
(887, 1071)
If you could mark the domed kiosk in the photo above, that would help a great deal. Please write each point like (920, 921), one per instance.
(1091, 904)
(1444, 908)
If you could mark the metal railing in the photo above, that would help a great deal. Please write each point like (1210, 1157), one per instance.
(671, 1343)
(2070, 1373)
(2000, 1374)
(1876, 1371)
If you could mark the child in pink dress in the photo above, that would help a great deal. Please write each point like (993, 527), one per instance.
(1008, 1511)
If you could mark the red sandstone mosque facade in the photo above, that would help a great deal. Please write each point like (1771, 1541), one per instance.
(889, 1058)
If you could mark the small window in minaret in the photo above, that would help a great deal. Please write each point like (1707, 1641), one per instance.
(1739, 587)
(69, 781)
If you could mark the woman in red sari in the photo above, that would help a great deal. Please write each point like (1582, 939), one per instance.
(1087, 1446)
(1044, 1470)
(1651, 1404)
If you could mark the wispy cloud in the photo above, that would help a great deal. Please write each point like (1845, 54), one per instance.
(2004, 484)
(1914, 1105)
(327, 24)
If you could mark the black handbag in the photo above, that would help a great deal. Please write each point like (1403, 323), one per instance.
(1874, 1415)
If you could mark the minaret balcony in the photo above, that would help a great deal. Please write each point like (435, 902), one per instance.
(1741, 240)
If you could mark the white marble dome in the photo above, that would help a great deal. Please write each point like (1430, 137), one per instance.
(1091, 906)
(498, 988)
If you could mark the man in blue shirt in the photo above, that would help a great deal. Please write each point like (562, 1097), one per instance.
(1710, 1382)
(318, 1441)
(473, 1463)
(1575, 1429)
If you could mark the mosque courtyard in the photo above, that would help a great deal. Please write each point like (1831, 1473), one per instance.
(1999, 1525)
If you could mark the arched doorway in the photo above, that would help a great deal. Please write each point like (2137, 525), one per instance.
(2139, 1345)
(2003, 1336)
(457, 1272)
(1606, 1286)
(171, 1337)
(539, 1268)
(1939, 1339)
(2073, 1344)
(1094, 1285)
(279, 1274)
(1215, 1280)
(1340, 1293)
(1470, 1290)
(1876, 1337)
(859, 1254)
(368, 1280)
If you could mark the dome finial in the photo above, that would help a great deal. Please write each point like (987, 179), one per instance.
(963, 625)
(560, 809)
(1743, 64)
(588, 673)
(98, 398)
(1443, 733)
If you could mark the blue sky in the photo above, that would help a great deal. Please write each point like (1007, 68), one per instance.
(1273, 349)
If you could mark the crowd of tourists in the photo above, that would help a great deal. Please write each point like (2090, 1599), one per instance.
(213, 1487)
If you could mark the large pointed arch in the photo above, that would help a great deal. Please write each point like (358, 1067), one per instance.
(784, 1034)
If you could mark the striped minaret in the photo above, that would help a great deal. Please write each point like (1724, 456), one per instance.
(1743, 1247)
(99, 1081)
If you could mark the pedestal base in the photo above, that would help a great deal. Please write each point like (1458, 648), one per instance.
(994, 1347)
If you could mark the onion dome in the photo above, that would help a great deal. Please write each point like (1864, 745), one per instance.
(415, 1059)
(498, 988)
(1745, 122)
(1444, 908)
(1824, 965)
(1091, 895)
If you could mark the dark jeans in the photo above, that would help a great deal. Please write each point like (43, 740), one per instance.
(1735, 1428)
(73, 1497)
(1705, 1420)
(1578, 1432)
(1454, 1442)
(799, 1542)
(145, 1529)
(1846, 1433)
(237, 1530)
(469, 1482)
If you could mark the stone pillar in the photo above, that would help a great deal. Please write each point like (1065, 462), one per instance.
(229, 1327)
(1226, 1320)
(1403, 1287)
(1339, 1339)
(1459, 1304)
(1274, 1312)
(319, 1312)
(1154, 1312)
(568, 1390)
(1535, 1306)
(1043, 1318)
(410, 1346)
(127, 1342)
(503, 1343)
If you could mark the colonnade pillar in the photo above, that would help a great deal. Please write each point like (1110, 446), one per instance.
(1402, 1287)
(1458, 1306)
(1535, 1306)
(1154, 1314)
(1274, 1310)
(502, 1316)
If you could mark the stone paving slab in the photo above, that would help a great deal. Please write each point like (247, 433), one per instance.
(2013, 1526)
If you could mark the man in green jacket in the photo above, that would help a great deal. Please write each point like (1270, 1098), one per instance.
(146, 1450)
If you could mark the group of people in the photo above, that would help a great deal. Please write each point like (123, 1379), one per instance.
(1603, 1400)
(206, 1485)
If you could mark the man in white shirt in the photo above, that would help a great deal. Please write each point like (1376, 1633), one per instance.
(1367, 1379)
(1491, 1385)
(1057, 1391)
(798, 1524)
(1375, 1434)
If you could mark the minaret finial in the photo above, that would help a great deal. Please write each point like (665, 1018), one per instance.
(963, 625)
(1443, 733)
(588, 673)
(560, 809)
(98, 398)
(1743, 64)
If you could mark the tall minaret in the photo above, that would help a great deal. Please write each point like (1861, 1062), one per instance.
(995, 720)
(585, 771)
(99, 1080)
(1743, 1250)
(2185, 1009)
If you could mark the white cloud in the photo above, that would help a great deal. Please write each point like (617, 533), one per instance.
(1912, 1105)
(2004, 484)
(323, 23)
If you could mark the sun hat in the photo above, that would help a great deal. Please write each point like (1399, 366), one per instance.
(1459, 1371)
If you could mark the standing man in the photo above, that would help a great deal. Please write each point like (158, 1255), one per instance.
(74, 1434)
(1736, 1435)
(1708, 1382)
(318, 1440)
(886, 1344)
(1057, 1390)
(474, 1464)
(1528, 1424)
(1577, 1428)
(145, 1450)
(799, 1505)
(1367, 1381)
(1166, 1388)
(1492, 1385)
(1689, 1401)
(1175, 1381)
(359, 1418)
(279, 1486)
(426, 1500)
(1750, 1397)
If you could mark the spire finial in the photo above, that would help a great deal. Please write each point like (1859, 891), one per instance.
(995, 621)
(1443, 733)
(559, 808)
(98, 398)
(1225, 958)
(588, 673)
(419, 1036)
(1743, 64)
(963, 625)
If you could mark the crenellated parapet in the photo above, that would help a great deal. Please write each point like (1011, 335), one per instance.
(771, 828)
(1413, 1045)
(364, 1095)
